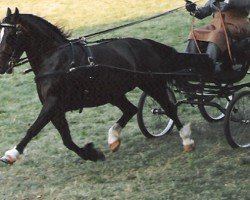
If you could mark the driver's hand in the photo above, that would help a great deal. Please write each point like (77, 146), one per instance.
(190, 6)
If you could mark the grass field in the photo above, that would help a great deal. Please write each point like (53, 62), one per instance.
(142, 168)
(83, 13)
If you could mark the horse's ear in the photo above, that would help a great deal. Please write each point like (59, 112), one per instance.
(16, 14)
(8, 12)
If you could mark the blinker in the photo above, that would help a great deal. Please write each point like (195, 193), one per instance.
(18, 27)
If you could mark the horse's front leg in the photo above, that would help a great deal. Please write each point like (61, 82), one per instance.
(48, 110)
(88, 152)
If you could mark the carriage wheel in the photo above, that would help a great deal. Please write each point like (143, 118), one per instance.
(237, 121)
(152, 120)
(213, 114)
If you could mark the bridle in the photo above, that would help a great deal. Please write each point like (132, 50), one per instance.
(14, 59)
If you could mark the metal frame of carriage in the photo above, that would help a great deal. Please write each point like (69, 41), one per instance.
(205, 95)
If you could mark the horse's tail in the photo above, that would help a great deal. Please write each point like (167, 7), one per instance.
(168, 56)
(182, 67)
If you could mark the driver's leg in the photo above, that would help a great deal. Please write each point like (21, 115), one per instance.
(214, 52)
(191, 47)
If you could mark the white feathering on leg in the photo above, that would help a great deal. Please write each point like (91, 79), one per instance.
(185, 134)
(13, 154)
(114, 133)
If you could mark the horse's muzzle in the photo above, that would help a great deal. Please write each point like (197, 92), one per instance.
(2, 70)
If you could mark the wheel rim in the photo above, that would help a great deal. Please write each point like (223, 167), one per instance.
(239, 122)
(154, 119)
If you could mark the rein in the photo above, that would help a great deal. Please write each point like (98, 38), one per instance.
(82, 40)
(91, 66)
(135, 22)
(14, 62)
(193, 34)
(226, 35)
(21, 61)
(132, 23)
(71, 43)
(224, 29)
(96, 67)
(25, 60)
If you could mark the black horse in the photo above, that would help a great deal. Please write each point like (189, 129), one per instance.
(63, 86)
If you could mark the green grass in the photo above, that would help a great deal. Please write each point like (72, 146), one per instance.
(75, 14)
(142, 168)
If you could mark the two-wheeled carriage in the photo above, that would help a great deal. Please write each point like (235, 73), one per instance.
(222, 95)
(71, 75)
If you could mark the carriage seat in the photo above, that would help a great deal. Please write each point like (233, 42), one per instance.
(197, 63)
(203, 68)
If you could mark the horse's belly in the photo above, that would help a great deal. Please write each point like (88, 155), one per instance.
(95, 93)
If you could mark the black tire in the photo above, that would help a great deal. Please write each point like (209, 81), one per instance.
(151, 118)
(237, 121)
(213, 114)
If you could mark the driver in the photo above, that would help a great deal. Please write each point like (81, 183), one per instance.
(235, 16)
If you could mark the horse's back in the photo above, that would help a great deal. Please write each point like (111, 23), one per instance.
(162, 50)
(143, 55)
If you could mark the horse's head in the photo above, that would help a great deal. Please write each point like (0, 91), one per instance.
(11, 41)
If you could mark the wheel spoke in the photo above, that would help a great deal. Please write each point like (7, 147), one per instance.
(151, 118)
(237, 125)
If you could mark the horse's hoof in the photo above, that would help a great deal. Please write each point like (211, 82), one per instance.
(89, 152)
(115, 145)
(101, 156)
(7, 160)
(189, 148)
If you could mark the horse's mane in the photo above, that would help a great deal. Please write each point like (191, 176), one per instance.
(45, 26)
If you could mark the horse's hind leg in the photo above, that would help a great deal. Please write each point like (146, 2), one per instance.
(128, 110)
(160, 95)
(88, 152)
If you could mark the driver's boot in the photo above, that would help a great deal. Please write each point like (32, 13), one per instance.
(213, 52)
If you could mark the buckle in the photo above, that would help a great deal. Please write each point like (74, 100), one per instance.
(91, 61)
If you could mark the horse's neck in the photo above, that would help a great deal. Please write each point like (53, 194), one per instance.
(39, 43)
(37, 53)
